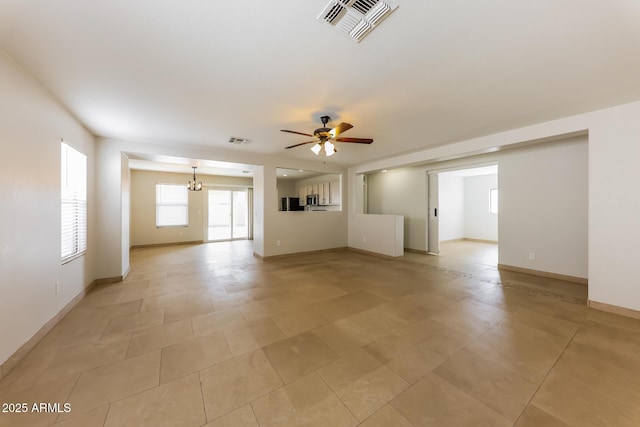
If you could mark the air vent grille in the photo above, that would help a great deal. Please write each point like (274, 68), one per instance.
(363, 6)
(356, 18)
(379, 12)
(335, 13)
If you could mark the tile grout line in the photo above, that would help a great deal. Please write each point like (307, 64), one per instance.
(336, 395)
(432, 371)
(472, 397)
(106, 416)
(204, 406)
(549, 372)
(254, 412)
(75, 383)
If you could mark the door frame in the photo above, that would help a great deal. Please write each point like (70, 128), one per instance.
(205, 211)
(433, 223)
(433, 198)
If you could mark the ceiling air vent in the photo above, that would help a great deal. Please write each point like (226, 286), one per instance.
(335, 13)
(356, 18)
(238, 141)
(363, 6)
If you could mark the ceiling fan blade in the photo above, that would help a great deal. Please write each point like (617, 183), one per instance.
(356, 140)
(297, 133)
(302, 143)
(342, 127)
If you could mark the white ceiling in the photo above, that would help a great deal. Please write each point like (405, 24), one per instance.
(434, 72)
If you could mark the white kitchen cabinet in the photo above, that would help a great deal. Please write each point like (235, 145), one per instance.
(324, 194)
(302, 194)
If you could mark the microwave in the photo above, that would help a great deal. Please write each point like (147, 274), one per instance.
(312, 200)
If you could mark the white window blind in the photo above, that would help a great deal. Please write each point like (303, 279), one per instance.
(73, 200)
(172, 205)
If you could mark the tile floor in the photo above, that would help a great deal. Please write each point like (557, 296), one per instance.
(208, 335)
(470, 251)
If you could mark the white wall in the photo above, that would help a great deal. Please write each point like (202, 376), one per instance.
(109, 214)
(614, 207)
(125, 211)
(451, 207)
(32, 126)
(543, 207)
(401, 192)
(304, 231)
(479, 222)
(383, 234)
(143, 206)
(613, 200)
(547, 174)
(258, 211)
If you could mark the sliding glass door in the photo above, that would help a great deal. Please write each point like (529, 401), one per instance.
(228, 216)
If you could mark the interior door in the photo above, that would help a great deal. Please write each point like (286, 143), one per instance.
(433, 235)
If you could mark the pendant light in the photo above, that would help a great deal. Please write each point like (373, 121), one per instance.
(194, 185)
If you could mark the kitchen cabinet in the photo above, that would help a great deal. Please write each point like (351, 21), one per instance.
(302, 194)
(324, 194)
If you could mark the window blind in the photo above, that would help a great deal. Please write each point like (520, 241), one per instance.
(172, 205)
(73, 197)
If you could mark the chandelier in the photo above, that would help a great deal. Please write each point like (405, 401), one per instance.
(194, 185)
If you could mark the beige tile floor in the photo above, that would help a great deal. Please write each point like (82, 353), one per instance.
(208, 335)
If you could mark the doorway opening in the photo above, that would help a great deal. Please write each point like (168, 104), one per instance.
(463, 214)
(228, 215)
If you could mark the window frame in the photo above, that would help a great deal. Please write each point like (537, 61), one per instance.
(73, 194)
(160, 204)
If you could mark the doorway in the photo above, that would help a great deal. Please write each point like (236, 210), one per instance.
(228, 215)
(463, 213)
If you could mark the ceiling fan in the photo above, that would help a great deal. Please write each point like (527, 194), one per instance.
(326, 136)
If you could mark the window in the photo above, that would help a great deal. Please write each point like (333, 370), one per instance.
(73, 201)
(172, 205)
(493, 200)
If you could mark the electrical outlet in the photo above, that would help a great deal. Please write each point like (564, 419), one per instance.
(364, 239)
(278, 243)
(532, 256)
(57, 288)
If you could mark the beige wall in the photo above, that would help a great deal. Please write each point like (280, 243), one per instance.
(32, 126)
(143, 206)
(286, 188)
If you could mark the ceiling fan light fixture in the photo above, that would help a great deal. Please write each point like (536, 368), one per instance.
(329, 148)
(324, 138)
